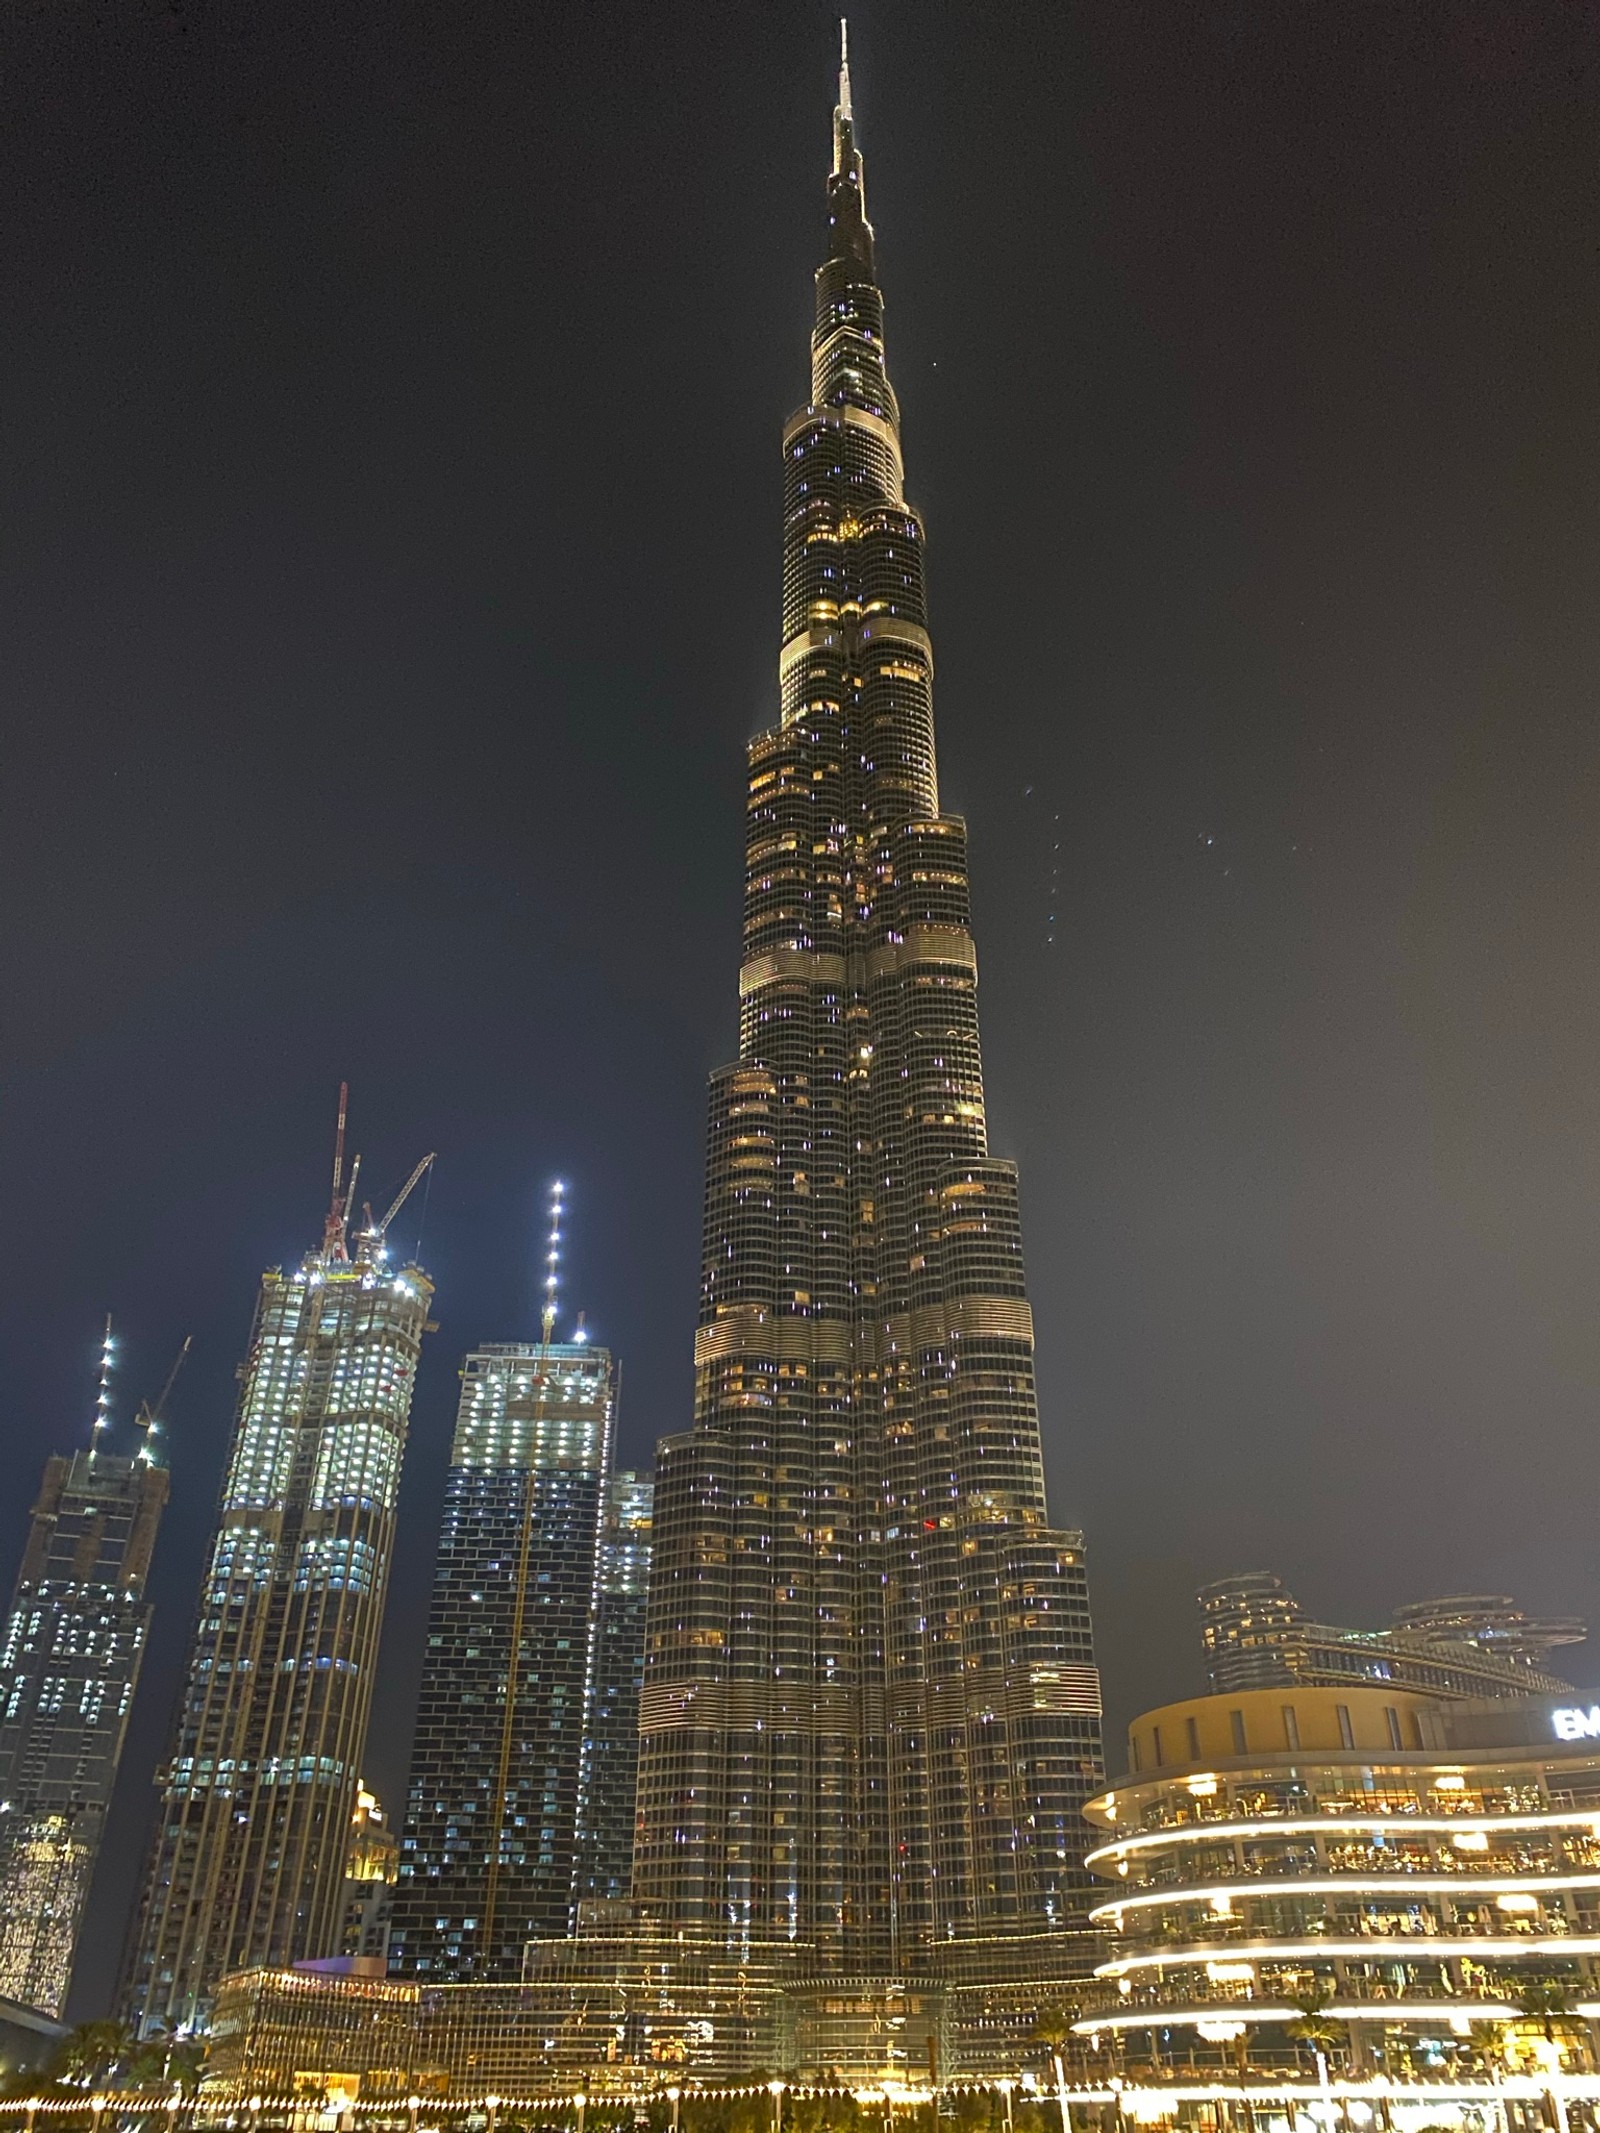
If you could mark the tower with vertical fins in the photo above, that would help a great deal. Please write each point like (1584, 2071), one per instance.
(870, 1712)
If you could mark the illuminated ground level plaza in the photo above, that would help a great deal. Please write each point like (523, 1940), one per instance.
(632, 2014)
(1398, 1885)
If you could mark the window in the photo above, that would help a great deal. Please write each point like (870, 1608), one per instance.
(1347, 1738)
(1155, 1739)
(1291, 1726)
(1236, 1721)
(1392, 1717)
(1192, 1728)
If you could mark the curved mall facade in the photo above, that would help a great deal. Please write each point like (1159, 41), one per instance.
(1411, 1870)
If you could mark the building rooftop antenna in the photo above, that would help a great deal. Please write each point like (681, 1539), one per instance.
(552, 1263)
(102, 1405)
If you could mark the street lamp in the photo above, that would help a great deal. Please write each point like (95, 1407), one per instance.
(1005, 2089)
(673, 2095)
(413, 2105)
(583, 2104)
(775, 2090)
(492, 2105)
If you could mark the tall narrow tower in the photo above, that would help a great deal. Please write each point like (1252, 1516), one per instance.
(498, 1848)
(870, 1711)
(491, 1831)
(248, 1860)
(74, 1644)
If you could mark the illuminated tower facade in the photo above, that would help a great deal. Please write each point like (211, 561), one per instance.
(69, 1665)
(488, 1857)
(248, 1860)
(611, 1732)
(870, 1713)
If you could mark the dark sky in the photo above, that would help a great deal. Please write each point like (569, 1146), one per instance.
(391, 399)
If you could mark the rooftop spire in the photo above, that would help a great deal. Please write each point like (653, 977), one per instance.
(102, 1405)
(552, 1261)
(847, 206)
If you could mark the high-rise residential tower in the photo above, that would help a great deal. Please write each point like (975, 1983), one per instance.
(493, 1812)
(610, 1773)
(1256, 1635)
(74, 1644)
(870, 1713)
(248, 1860)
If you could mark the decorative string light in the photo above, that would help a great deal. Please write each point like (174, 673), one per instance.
(102, 1405)
(552, 1261)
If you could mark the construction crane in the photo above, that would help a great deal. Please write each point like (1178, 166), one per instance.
(150, 1418)
(377, 1231)
(334, 1246)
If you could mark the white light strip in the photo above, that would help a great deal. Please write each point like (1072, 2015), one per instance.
(1244, 2011)
(1373, 1884)
(1332, 1825)
(1371, 1948)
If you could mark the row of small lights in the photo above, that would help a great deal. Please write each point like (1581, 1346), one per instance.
(1141, 2099)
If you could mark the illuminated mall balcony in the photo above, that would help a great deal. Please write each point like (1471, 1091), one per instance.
(1400, 1882)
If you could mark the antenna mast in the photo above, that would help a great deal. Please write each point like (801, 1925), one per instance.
(552, 1260)
(102, 1405)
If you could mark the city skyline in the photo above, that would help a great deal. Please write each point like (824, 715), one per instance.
(1297, 1107)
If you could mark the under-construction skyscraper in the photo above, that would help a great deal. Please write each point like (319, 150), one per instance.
(248, 1859)
(74, 1644)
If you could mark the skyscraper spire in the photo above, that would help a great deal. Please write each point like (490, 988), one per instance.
(845, 111)
(102, 1404)
(552, 1263)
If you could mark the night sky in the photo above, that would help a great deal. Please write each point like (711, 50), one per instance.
(391, 400)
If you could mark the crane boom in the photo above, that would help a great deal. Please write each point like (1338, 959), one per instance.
(149, 1418)
(156, 1412)
(380, 1229)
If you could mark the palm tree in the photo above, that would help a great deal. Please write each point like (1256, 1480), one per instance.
(165, 2056)
(1054, 2028)
(1314, 2025)
(87, 2054)
(1548, 2000)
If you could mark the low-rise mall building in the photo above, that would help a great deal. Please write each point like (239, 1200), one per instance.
(1400, 1883)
